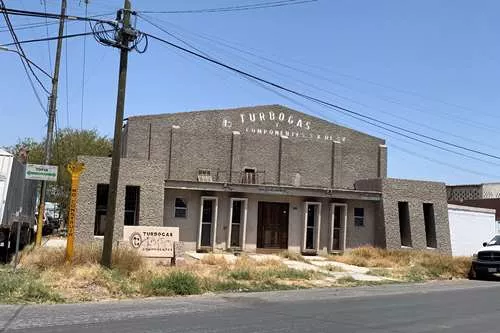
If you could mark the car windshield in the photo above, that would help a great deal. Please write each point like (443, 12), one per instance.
(494, 241)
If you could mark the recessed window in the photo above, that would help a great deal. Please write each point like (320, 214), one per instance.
(404, 224)
(180, 207)
(132, 198)
(430, 225)
(204, 175)
(101, 209)
(249, 176)
(359, 217)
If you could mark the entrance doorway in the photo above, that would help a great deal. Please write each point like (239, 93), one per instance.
(207, 229)
(272, 225)
(338, 227)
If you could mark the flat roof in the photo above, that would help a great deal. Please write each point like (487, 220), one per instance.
(472, 209)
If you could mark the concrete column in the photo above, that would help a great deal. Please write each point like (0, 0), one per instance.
(171, 151)
(382, 161)
(283, 142)
(336, 175)
(235, 159)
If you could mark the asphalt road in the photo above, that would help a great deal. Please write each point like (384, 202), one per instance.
(464, 306)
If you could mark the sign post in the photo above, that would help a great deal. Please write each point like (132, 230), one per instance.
(45, 173)
(75, 169)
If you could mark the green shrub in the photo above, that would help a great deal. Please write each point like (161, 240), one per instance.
(24, 287)
(175, 283)
(416, 274)
(240, 274)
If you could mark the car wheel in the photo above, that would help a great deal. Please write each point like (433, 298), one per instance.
(473, 274)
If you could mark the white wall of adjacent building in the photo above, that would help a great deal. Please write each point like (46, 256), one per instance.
(469, 228)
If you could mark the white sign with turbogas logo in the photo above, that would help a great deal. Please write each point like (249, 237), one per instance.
(153, 242)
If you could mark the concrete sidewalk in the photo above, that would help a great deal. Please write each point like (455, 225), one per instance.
(317, 264)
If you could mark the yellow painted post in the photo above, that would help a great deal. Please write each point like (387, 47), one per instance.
(75, 169)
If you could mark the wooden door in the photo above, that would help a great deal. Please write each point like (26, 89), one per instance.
(272, 228)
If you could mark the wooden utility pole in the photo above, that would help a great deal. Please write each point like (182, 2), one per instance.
(50, 124)
(126, 35)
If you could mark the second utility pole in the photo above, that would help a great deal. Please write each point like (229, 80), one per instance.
(50, 124)
(126, 35)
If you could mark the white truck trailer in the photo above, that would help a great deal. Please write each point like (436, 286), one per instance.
(17, 204)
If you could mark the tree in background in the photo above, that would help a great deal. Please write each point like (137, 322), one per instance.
(67, 146)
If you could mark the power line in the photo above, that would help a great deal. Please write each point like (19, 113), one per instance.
(261, 5)
(326, 117)
(83, 69)
(24, 61)
(43, 24)
(351, 113)
(227, 44)
(66, 81)
(50, 38)
(414, 153)
(19, 12)
(47, 33)
(453, 116)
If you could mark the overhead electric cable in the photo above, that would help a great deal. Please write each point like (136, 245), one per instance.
(83, 69)
(344, 110)
(47, 33)
(43, 24)
(262, 5)
(19, 12)
(66, 76)
(442, 114)
(24, 60)
(51, 38)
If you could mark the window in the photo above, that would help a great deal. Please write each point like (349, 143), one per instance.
(132, 196)
(204, 175)
(359, 217)
(101, 209)
(404, 224)
(248, 176)
(180, 207)
(430, 225)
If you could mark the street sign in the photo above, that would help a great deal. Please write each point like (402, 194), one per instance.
(41, 172)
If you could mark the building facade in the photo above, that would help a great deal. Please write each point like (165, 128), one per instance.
(457, 193)
(263, 178)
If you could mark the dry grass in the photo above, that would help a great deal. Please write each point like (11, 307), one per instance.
(132, 276)
(293, 256)
(409, 265)
(124, 259)
(214, 260)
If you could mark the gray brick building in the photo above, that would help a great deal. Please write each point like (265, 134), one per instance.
(261, 178)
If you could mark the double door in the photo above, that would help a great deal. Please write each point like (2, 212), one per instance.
(272, 225)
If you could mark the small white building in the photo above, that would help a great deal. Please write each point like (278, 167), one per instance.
(469, 228)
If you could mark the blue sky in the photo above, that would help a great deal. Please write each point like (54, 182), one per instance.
(426, 65)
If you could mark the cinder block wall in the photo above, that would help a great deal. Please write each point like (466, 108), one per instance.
(149, 175)
(206, 140)
(416, 193)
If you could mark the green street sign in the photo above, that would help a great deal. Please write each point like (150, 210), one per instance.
(41, 172)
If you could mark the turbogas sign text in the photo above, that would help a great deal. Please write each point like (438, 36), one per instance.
(277, 124)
